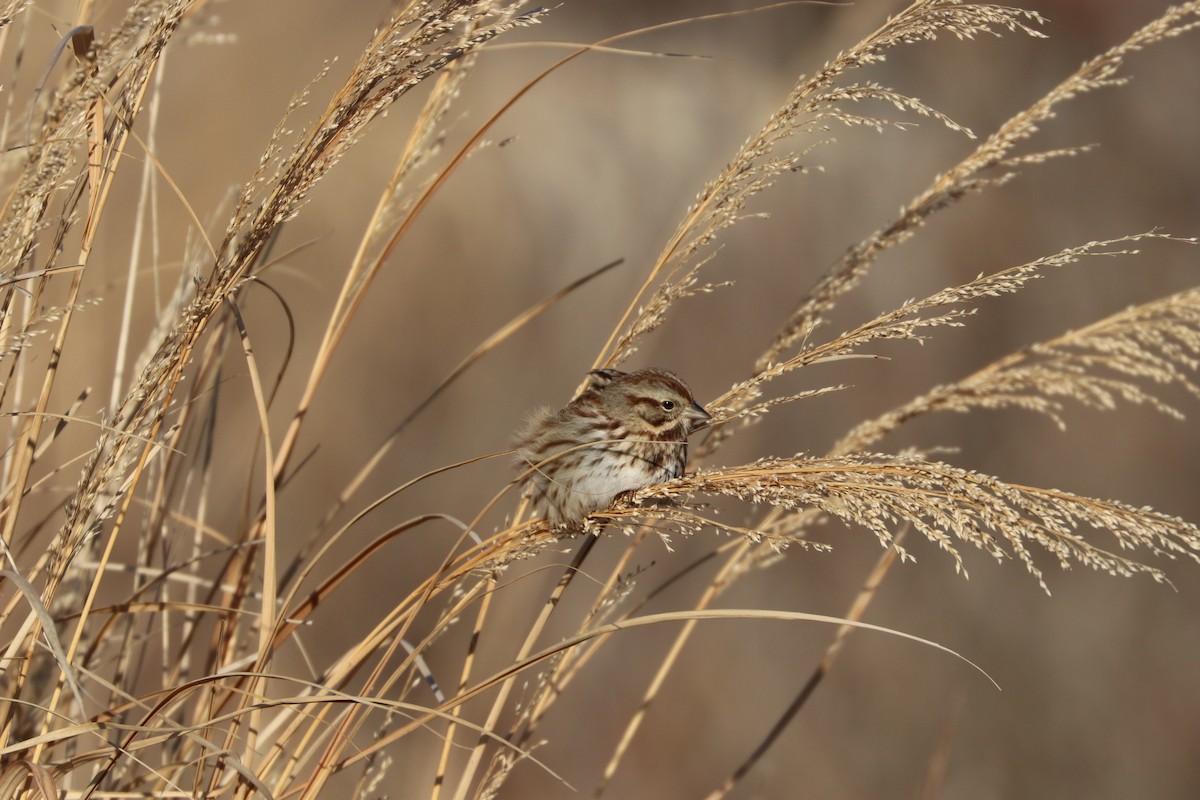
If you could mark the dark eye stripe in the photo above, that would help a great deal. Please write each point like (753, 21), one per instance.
(648, 402)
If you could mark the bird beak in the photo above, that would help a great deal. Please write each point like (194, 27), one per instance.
(697, 416)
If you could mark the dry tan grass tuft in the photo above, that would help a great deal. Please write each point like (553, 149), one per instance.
(944, 503)
(165, 618)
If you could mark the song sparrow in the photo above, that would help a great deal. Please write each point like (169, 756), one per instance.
(625, 431)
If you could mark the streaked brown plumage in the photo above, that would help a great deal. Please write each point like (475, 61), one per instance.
(625, 431)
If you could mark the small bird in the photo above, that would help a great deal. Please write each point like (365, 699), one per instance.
(625, 431)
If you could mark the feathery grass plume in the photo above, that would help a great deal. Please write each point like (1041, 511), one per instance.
(45, 199)
(940, 501)
(411, 48)
(945, 503)
(814, 104)
(1096, 366)
(154, 646)
(913, 320)
(994, 154)
(422, 40)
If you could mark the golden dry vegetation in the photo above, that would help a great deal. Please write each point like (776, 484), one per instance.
(281, 280)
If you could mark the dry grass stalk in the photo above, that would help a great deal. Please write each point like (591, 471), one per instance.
(84, 717)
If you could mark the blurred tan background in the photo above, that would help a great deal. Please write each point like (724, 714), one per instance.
(1100, 695)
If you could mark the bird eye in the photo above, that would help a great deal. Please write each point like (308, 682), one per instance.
(668, 405)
